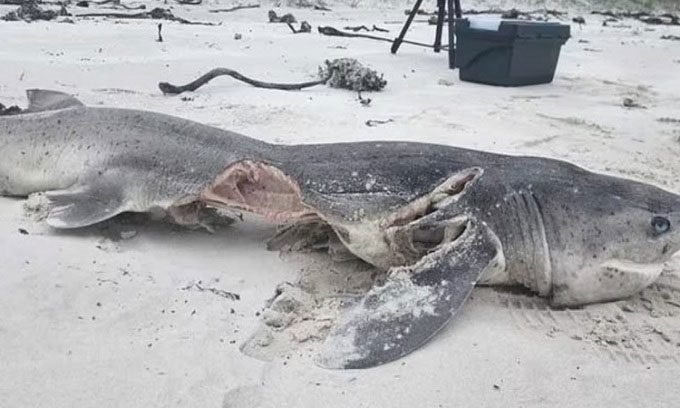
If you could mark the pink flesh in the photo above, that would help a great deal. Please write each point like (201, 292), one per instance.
(259, 188)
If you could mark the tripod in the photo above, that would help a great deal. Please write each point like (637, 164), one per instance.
(443, 6)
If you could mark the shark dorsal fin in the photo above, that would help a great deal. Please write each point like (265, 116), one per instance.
(44, 100)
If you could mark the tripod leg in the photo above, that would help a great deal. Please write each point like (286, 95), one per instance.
(397, 41)
(441, 4)
(452, 47)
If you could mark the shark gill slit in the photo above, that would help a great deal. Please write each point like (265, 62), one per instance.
(517, 268)
(532, 227)
(544, 281)
(534, 269)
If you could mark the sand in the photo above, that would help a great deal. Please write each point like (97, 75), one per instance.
(138, 313)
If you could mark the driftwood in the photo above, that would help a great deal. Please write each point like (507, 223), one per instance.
(375, 122)
(345, 73)
(305, 27)
(155, 14)
(356, 28)
(514, 13)
(421, 12)
(123, 6)
(364, 28)
(663, 19)
(189, 2)
(621, 14)
(645, 17)
(286, 18)
(115, 3)
(539, 15)
(334, 32)
(168, 88)
(41, 2)
(228, 10)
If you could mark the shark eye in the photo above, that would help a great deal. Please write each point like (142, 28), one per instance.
(660, 224)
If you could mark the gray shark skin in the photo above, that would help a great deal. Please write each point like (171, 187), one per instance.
(98, 162)
(440, 219)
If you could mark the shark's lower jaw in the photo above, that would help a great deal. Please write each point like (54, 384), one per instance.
(610, 280)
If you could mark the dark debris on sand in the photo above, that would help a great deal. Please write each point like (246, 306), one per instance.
(351, 74)
(9, 110)
(31, 11)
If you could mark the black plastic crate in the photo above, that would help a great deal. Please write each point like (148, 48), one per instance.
(517, 53)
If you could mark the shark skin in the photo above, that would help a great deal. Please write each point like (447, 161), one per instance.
(439, 219)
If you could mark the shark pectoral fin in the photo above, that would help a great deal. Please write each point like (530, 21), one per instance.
(83, 205)
(45, 100)
(398, 317)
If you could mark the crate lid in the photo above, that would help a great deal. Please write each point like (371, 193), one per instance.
(485, 23)
(534, 29)
(497, 28)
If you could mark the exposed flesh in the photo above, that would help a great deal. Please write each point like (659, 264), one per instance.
(258, 188)
(398, 238)
(403, 236)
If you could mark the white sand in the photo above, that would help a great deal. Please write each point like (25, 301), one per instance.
(87, 321)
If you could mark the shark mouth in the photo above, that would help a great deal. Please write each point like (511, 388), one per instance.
(258, 188)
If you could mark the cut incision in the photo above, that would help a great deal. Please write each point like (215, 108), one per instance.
(258, 188)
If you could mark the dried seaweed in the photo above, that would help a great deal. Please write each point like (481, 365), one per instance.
(645, 17)
(155, 14)
(348, 73)
(9, 110)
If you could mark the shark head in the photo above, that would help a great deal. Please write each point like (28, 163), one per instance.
(614, 237)
(601, 238)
